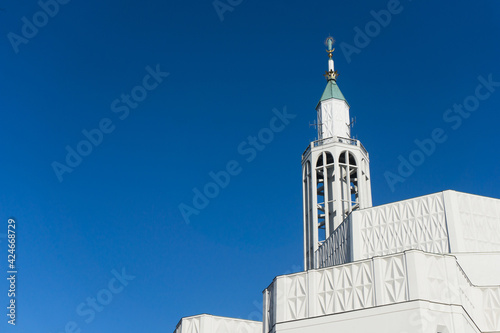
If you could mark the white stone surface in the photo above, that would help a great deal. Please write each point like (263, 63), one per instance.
(444, 222)
(418, 223)
(333, 119)
(378, 282)
(213, 324)
(408, 317)
(481, 268)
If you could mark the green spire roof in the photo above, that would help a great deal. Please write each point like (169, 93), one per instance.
(332, 90)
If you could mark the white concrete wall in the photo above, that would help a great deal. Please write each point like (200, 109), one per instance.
(213, 324)
(483, 269)
(409, 317)
(333, 119)
(418, 223)
(474, 222)
(372, 283)
(445, 222)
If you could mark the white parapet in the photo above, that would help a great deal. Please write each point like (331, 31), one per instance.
(374, 284)
(445, 222)
(205, 323)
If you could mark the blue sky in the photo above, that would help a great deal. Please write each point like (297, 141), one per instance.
(119, 207)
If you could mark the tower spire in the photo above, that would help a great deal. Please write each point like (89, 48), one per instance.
(331, 74)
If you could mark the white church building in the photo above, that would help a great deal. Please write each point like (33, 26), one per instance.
(425, 265)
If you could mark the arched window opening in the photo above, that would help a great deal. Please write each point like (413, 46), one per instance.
(324, 191)
(349, 183)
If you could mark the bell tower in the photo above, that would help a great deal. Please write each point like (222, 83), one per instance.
(335, 168)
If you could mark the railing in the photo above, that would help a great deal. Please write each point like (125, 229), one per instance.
(336, 249)
(333, 139)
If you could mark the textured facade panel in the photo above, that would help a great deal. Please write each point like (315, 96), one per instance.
(344, 288)
(296, 297)
(392, 279)
(412, 224)
(491, 306)
(480, 222)
(325, 293)
(363, 286)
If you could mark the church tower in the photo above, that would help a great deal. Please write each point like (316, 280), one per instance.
(335, 169)
(422, 265)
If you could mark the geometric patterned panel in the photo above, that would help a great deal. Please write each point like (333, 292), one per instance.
(363, 294)
(296, 296)
(344, 288)
(491, 306)
(418, 224)
(395, 288)
(411, 275)
(326, 295)
(480, 219)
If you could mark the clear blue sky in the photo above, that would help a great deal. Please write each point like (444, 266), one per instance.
(119, 207)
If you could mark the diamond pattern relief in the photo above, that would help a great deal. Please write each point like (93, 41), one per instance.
(395, 280)
(491, 297)
(363, 286)
(326, 292)
(352, 286)
(296, 297)
(412, 224)
(480, 218)
(344, 288)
